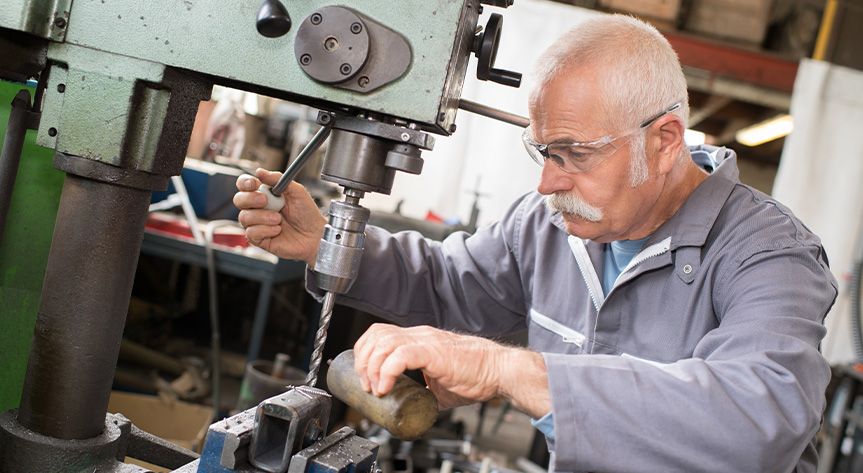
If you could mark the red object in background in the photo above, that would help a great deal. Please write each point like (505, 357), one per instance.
(433, 217)
(179, 228)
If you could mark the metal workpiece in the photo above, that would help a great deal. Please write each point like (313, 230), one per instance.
(340, 452)
(339, 46)
(21, 119)
(85, 299)
(286, 424)
(407, 412)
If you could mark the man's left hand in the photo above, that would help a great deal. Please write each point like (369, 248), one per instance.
(459, 369)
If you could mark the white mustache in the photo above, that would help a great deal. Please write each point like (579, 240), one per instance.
(568, 203)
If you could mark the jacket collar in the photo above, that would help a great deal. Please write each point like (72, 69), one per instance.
(692, 222)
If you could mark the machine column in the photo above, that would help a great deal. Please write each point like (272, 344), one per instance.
(85, 298)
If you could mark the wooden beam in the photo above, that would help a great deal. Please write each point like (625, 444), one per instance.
(745, 66)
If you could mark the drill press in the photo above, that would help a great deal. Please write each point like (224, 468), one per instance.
(119, 86)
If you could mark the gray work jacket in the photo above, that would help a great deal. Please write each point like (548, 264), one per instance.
(702, 357)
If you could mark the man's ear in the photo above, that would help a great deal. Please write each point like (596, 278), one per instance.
(666, 139)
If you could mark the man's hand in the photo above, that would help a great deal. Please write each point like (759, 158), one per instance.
(293, 233)
(459, 369)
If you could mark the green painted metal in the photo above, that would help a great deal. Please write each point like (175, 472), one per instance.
(219, 38)
(24, 254)
(90, 111)
(38, 17)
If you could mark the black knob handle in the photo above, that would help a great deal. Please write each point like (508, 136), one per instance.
(273, 20)
(485, 48)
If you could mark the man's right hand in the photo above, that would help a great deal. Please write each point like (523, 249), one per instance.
(292, 233)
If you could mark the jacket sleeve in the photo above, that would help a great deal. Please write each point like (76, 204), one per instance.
(750, 398)
(466, 282)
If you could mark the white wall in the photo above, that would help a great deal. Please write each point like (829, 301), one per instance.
(820, 177)
(485, 150)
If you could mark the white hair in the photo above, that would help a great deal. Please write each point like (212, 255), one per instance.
(642, 73)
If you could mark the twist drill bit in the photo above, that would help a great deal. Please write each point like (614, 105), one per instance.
(320, 339)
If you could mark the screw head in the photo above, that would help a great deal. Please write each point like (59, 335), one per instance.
(61, 88)
(363, 81)
(60, 22)
(52, 132)
(356, 27)
(316, 18)
(405, 136)
(305, 59)
(345, 69)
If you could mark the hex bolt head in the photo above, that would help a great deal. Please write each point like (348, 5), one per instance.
(316, 18)
(363, 81)
(305, 59)
(356, 27)
(345, 69)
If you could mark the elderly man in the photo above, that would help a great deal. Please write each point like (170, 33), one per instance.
(674, 314)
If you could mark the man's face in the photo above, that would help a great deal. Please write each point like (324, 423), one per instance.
(600, 204)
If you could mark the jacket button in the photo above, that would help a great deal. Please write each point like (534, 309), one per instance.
(687, 269)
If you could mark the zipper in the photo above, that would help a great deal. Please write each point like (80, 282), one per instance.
(567, 334)
(650, 252)
(594, 287)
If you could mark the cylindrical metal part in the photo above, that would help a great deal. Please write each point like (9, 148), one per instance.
(407, 412)
(297, 166)
(341, 248)
(16, 131)
(85, 298)
(358, 161)
(320, 339)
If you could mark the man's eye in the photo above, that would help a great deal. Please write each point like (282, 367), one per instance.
(576, 154)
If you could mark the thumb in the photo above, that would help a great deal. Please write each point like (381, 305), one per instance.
(267, 177)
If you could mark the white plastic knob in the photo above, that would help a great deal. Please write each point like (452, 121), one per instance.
(274, 203)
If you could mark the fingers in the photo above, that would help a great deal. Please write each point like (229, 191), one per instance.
(268, 177)
(386, 351)
(247, 183)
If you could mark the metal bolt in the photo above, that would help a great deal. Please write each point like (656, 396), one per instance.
(345, 69)
(406, 137)
(356, 28)
(60, 22)
(52, 132)
(324, 119)
(61, 88)
(452, 128)
(687, 269)
(305, 59)
(363, 81)
(316, 18)
(331, 43)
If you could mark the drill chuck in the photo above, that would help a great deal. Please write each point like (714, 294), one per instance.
(341, 249)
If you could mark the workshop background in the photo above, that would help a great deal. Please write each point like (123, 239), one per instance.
(753, 66)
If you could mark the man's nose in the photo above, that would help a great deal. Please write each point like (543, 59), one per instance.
(553, 179)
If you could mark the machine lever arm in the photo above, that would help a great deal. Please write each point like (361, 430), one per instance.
(275, 201)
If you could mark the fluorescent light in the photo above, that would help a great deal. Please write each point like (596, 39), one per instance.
(694, 138)
(766, 131)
